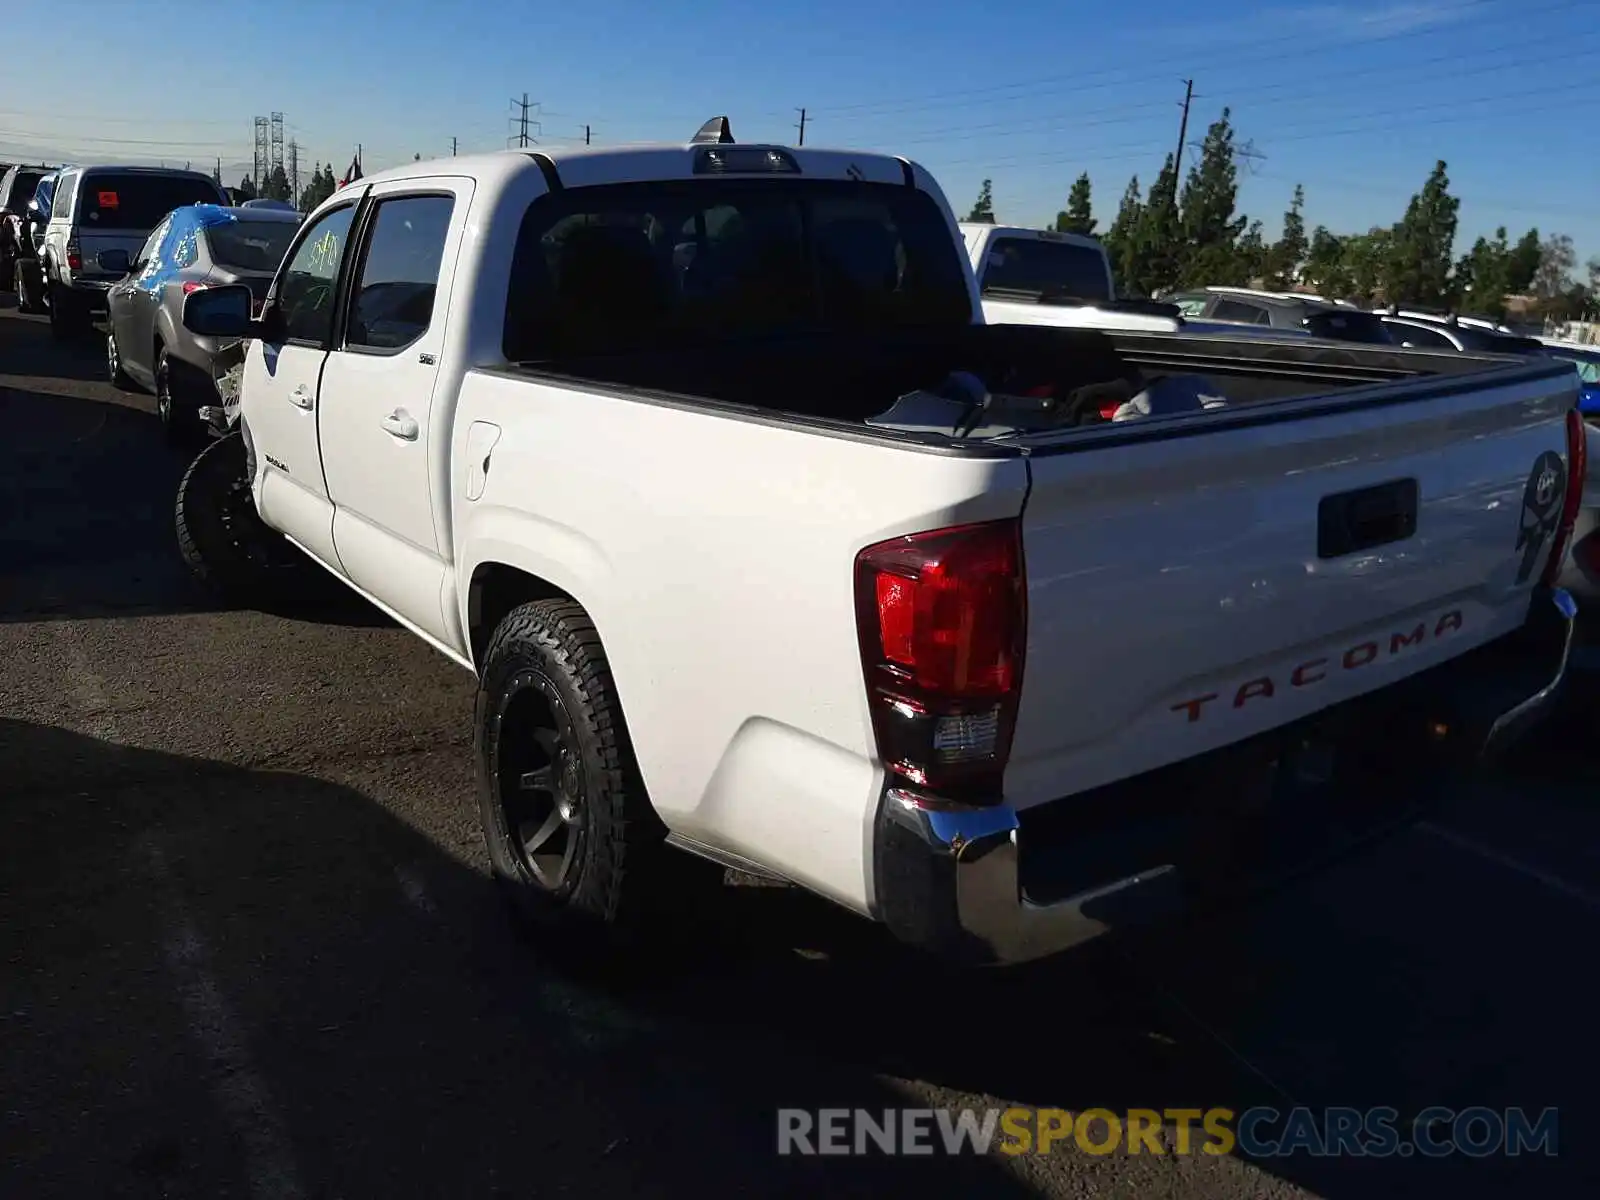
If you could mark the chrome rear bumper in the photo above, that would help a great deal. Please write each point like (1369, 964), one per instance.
(950, 878)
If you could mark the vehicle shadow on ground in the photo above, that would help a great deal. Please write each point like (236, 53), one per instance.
(28, 348)
(222, 980)
(87, 495)
(217, 974)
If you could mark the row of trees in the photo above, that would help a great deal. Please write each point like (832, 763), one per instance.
(1169, 238)
(322, 184)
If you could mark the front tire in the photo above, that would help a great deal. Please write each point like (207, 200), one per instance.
(570, 831)
(226, 545)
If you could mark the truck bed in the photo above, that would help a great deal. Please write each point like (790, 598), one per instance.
(839, 380)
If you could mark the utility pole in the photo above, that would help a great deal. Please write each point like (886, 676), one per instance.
(585, 135)
(452, 147)
(294, 173)
(1183, 132)
(802, 127)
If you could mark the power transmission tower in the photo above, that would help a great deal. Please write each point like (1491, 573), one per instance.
(294, 173)
(1183, 132)
(802, 127)
(522, 136)
(276, 164)
(258, 170)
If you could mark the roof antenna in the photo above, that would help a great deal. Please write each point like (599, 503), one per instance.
(714, 131)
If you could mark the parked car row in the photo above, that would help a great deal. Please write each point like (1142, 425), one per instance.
(129, 243)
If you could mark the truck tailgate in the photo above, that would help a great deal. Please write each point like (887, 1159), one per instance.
(1192, 585)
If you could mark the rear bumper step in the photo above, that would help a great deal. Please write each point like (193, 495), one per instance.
(988, 885)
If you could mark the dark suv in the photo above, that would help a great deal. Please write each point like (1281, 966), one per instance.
(16, 189)
(1283, 310)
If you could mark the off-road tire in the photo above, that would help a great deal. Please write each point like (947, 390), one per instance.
(624, 877)
(229, 550)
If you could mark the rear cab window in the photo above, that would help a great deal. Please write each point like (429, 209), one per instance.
(246, 245)
(1066, 269)
(666, 264)
(139, 200)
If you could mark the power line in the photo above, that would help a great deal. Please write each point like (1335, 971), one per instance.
(1392, 123)
(1133, 113)
(1081, 81)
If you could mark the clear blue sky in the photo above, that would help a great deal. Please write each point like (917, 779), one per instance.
(1356, 99)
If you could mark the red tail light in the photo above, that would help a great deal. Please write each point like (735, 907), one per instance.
(1577, 469)
(190, 285)
(942, 618)
(74, 257)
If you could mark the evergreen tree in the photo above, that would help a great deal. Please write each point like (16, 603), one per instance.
(1208, 227)
(278, 185)
(1079, 214)
(1119, 238)
(1288, 254)
(248, 188)
(983, 210)
(1157, 258)
(1419, 247)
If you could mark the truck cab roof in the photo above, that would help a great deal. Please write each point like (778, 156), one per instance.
(596, 166)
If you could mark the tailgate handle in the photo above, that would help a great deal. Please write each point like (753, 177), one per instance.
(1350, 522)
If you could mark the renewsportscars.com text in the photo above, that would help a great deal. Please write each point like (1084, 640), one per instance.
(1263, 1132)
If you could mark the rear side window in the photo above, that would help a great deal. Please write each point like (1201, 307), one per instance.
(399, 276)
(1238, 310)
(666, 264)
(21, 189)
(139, 201)
(61, 202)
(246, 245)
(1062, 269)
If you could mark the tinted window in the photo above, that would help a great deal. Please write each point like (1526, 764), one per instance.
(250, 245)
(139, 201)
(1238, 310)
(305, 292)
(1053, 268)
(1421, 337)
(22, 185)
(61, 204)
(43, 194)
(1348, 327)
(400, 272)
(668, 264)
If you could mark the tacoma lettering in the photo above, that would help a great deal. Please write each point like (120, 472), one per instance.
(1265, 687)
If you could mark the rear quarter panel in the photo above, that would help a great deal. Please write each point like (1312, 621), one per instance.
(716, 558)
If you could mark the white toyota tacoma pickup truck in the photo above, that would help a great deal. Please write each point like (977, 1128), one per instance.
(648, 439)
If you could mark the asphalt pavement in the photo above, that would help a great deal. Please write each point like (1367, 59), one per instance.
(248, 946)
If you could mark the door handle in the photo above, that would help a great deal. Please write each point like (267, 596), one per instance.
(400, 424)
(300, 397)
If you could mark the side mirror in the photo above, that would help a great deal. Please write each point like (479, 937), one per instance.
(218, 311)
(114, 261)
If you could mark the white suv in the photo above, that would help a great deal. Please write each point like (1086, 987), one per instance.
(106, 208)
